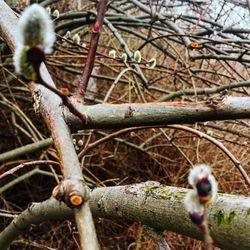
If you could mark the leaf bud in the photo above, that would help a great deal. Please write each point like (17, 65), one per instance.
(137, 56)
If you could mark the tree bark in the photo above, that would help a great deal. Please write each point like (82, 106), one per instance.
(160, 207)
(138, 114)
(49, 105)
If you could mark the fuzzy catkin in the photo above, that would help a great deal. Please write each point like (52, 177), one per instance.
(34, 28)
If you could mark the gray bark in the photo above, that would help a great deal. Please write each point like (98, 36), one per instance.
(137, 114)
(32, 147)
(152, 204)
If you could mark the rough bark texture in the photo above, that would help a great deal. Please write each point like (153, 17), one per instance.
(8, 16)
(137, 114)
(160, 207)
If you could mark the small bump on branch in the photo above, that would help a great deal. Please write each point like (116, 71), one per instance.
(72, 192)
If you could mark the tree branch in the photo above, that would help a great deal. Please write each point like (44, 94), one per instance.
(49, 105)
(204, 91)
(149, 114)
(29, 148)
(160, 207)
(83, 83)
(28, 164)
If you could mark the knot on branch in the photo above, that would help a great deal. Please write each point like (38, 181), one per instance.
(218, 100)
(72, 192)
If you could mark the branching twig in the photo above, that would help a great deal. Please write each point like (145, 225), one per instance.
(66, 101)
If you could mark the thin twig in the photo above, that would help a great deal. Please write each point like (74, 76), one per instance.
(219, 145)
(23, 177)
(26, 164)
(208, 241)
(108, 137)
(83, 83)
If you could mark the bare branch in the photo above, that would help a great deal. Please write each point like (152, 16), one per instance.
(80, 92)
(25, 149)
(160, 207)
(149, 114)
(49, 105)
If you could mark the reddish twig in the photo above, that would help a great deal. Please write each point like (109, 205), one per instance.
(83, 83)
(109, 137)
(208, 241)
(32, 163)
(65, 100)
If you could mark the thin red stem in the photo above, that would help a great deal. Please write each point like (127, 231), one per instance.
(87, 70)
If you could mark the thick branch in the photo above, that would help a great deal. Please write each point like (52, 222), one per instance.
(137, 114)
(49, 105)
(162, 208)
(157, 206)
